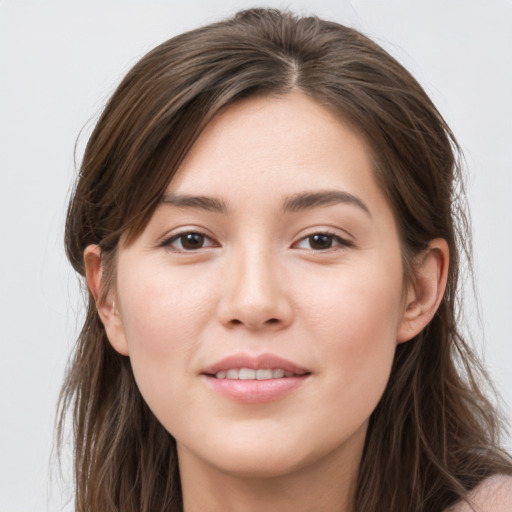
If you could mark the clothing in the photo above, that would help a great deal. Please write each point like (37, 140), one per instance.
(492, 495)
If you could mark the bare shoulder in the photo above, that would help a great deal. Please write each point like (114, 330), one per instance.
(493, 495)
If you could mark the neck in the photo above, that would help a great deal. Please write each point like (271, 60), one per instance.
(327, 485)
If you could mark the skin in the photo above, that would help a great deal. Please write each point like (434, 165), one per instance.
(258, 284)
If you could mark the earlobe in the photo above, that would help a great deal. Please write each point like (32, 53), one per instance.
(426, 292)
(105, 302)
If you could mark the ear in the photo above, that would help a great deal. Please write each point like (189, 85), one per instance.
(425, 293)
(108, 311)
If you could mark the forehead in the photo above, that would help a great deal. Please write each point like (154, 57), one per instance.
(290, 140)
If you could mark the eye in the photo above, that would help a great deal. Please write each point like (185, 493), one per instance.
(322, 242)
(188, 241)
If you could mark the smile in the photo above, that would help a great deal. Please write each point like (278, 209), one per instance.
(257, 379)
(251, 374)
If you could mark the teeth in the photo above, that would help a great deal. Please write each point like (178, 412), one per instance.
(250, 374)
(263, 374)
(246, 374)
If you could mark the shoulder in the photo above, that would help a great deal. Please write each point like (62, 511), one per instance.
(493, 495)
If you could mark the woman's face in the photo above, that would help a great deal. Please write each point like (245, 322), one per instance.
(262, 304)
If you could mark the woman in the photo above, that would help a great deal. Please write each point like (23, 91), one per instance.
(269, 219)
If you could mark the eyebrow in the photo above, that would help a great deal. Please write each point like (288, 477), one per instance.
(309, 200)
(295, 203)
(210, 204)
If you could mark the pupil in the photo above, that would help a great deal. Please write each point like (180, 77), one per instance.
(192, 241)
(320, 241)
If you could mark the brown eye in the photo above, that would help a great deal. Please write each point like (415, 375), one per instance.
(322, 242)
(189, 241)
(192, 241)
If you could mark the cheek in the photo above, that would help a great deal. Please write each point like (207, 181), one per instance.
(162, 316)
(161, 309)
(356, 318)
(360, 306)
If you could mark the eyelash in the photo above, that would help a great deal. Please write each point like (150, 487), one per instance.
(334, 238)
(167, 243)
(340, 241)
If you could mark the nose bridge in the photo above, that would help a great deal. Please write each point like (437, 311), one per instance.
(254, 295)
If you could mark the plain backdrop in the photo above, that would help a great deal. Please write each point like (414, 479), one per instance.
(60, 61)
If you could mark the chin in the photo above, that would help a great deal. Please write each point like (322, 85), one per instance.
(259, 464)
(261, 456)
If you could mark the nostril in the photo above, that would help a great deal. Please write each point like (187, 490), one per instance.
(270, 321)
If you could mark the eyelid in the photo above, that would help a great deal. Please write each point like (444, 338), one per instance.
(168, 240)
(342, 241)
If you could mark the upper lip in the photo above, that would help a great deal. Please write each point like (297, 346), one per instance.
(259, 362)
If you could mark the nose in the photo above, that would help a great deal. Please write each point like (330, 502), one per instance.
(253, 295)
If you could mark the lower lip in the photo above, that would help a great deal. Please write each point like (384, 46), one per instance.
(255, 391)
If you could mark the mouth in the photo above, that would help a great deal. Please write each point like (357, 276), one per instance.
(252, 374)
(254, 380)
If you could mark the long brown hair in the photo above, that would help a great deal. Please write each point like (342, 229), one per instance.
(434, 435)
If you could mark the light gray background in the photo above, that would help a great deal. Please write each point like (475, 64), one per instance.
(60, 60)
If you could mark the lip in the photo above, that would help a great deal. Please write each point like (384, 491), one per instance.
(255, 391)
(262, 361)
